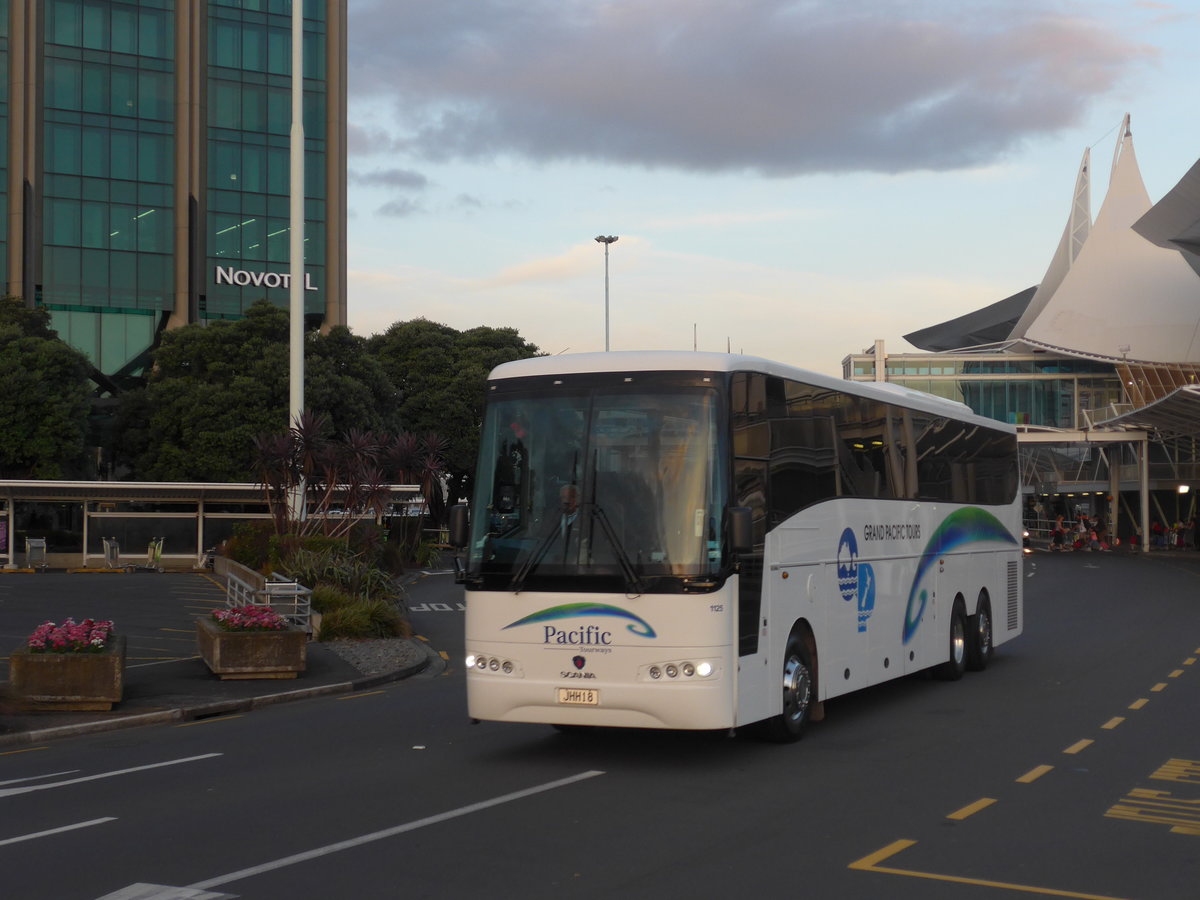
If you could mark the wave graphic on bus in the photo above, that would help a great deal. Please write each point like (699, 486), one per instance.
(964, 526)
(637, 625)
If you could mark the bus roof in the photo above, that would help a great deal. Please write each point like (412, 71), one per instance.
(682, 360)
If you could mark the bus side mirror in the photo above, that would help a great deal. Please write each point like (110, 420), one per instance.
(460, 525)
(741, 529)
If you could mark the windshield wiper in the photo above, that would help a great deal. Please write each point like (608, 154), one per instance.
(633, 583)
(534, 558)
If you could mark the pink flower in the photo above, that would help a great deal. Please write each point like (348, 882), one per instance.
(250, 618)
(88, 636)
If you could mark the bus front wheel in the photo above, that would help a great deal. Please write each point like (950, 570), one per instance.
(797, 682)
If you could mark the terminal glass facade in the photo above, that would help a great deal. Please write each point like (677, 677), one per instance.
(1033, 389)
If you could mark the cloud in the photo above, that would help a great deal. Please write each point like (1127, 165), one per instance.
(399, 178)
(400, 208)
(778, 87)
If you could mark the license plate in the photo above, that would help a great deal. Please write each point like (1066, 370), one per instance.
(578, 697)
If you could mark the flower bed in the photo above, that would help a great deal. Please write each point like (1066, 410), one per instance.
(251, 642)
(72, 666)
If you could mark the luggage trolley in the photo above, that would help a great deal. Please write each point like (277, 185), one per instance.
(112, 553)
(153, 557)
(35, 553)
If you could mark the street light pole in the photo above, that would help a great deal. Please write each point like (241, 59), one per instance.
(606, 240)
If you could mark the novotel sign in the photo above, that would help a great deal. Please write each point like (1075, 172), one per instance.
(248, 278)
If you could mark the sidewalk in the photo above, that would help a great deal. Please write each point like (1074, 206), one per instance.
(164, 679)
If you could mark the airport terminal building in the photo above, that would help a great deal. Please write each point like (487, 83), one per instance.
(145, 157)
(1098, 365)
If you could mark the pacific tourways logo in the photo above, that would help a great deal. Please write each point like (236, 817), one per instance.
(856, 580)
(587, 635)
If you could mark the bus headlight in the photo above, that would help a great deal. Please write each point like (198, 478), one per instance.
(481, 662)
(677, 670)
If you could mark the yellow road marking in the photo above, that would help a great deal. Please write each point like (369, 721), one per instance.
(363, 694)
(1184, 770)
(1176, 673)
(1079, 745)
(207, 721)
(1159, 808)
(22, 750)
(871, 864)
(1113, 723)
(1190, 661)
(1139, 703)
(971, 809)
(444, 655)
(1161, 686)
(1034, 774)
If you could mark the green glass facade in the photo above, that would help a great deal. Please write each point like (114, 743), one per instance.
(149, 145)
(249, 125)
(108, 170)
(4, 129)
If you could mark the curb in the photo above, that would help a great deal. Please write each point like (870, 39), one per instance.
(218, 708)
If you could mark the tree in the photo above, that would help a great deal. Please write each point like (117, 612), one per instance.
(343, 381)
(45, 397)
(214, 388)
(441, 374)
(211, 391)
(350, 474)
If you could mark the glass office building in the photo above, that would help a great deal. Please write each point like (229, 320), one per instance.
(147, 166)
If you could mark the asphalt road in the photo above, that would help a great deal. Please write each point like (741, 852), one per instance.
(1070, 768)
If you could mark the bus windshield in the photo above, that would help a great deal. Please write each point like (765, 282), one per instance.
(586, 488)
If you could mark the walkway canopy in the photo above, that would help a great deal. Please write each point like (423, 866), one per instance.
(75, 518)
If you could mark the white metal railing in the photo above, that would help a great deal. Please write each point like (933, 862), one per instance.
(290, 599)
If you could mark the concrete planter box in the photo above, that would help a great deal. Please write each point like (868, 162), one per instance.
(69, 681)
(251, 654)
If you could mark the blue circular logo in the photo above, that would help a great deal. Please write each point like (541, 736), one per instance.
(847, 566)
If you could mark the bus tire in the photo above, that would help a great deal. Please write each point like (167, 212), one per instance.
(952, 669)
(798, 681)
(979, 637)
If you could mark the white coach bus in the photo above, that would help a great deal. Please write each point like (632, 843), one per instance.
(708, 541)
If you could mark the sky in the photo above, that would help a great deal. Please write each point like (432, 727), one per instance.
(791, 179)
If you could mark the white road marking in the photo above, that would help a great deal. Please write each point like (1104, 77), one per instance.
(36, 777)
(28, 789)
(392, 832)
(60, 830)
(143, 891)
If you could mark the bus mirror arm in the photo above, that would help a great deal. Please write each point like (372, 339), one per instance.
(459, 533)
(741, 529)
(460, 521)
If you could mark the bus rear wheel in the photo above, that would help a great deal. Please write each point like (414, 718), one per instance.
(952, 669)
(798, 682)
(979, 638)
